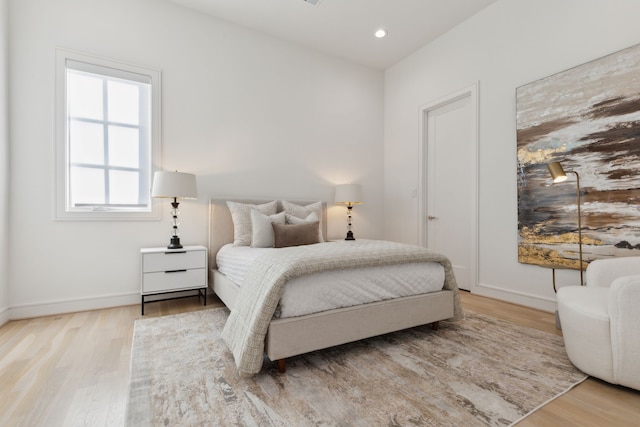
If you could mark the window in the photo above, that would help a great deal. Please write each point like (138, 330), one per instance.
(107, 139)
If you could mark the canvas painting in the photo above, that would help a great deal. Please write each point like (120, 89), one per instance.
(587, 118)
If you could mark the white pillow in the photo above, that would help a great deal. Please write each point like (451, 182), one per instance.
(303, 212)
(241, 216)
(262, 231)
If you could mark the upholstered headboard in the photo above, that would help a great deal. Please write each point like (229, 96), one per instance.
(221, 224)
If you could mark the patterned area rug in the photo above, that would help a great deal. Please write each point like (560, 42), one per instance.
(479, 371)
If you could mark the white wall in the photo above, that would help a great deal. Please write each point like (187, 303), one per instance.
(248, 114)
(4, 163)
(511, 43)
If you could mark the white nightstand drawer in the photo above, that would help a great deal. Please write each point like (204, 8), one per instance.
(174, 281)
(173, 260)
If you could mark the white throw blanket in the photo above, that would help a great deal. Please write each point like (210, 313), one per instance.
(258, 298)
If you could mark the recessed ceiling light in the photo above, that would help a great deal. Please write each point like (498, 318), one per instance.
(380, 33)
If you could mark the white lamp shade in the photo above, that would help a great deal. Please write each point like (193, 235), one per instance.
(174, 184)
(349, 194)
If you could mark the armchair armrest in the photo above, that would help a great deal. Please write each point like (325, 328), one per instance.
(624, 316)
(602, 272)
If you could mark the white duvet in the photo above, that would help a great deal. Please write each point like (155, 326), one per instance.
(337, 288)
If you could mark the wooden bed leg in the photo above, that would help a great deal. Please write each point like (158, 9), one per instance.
(435, 325)
(282, 365)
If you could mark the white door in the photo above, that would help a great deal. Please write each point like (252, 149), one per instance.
(449, 214)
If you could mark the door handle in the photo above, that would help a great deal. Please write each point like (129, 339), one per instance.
(431, 217)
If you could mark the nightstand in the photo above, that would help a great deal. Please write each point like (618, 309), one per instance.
(165, 271)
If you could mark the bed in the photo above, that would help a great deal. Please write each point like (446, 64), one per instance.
(290, 336)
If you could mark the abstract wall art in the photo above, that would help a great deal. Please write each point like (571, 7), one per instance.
(588, 118)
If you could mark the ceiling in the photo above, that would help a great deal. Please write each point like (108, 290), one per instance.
(345, 28)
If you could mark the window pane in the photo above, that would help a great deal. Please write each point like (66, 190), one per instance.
(123, 187)
(84, 95)
(86, 143)
(124, 148)
(86, 186)
(108, 138)
(123, 102)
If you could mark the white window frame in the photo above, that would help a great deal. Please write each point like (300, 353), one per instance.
(62, 209)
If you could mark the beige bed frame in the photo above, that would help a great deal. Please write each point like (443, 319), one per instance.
(297, 335)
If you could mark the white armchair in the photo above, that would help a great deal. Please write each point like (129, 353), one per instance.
(601, 321)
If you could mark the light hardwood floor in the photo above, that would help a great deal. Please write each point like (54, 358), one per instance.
(73, 369)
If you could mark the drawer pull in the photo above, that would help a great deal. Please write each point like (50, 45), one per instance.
(176, 252)
(175, 271)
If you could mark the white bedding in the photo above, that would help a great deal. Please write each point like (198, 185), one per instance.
(338, 288)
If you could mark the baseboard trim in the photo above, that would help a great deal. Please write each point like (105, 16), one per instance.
(51, 308)
(521, 298)
(4, 315)
(27, 311)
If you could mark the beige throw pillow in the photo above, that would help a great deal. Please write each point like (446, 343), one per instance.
(241, 215)
(285, 235)
(302, 212)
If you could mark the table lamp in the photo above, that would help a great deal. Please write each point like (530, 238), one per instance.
(349, 194)
(174, 185)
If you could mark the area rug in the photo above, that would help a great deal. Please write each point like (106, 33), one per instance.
(478, 371)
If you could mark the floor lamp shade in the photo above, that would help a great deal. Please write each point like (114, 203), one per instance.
(557, 172)
(349, 194)
(174, 185)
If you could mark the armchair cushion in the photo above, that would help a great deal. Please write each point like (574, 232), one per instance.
(586, 329)
(600, 325)
(602, 272)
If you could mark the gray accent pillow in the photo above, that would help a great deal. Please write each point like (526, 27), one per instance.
(241, 216)
(261, 229)
(302, 212)
(285, 235)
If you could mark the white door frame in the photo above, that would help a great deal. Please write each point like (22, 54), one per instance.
(472, 91)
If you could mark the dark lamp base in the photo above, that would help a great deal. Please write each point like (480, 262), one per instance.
(175, 243)
(350, 236)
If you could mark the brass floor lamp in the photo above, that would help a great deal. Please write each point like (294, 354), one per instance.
(560, 175)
